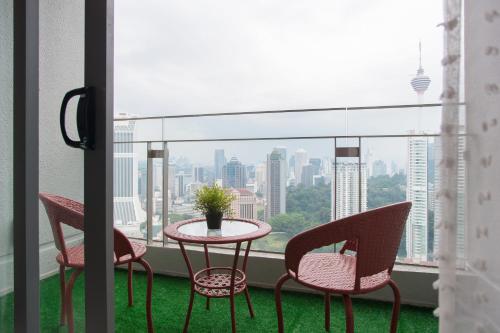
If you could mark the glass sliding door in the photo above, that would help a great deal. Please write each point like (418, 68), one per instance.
(6, 168)
(61, 167)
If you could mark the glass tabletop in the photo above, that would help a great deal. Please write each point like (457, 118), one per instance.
(228, 228)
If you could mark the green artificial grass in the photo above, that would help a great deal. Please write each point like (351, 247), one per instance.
(302, 312)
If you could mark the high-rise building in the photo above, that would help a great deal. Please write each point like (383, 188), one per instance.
(300, 160)
(326, 166)
(260, 178)
(180, 184)
(142, 181)
(244, 204)
(234, 174)
(461, 185)
(275, 184)
(282, 151)
(172, 180)
(219, 162)
(307, 175)
(250, 172)
(416, 192)
(379, 168)
(126, 206)
(346, 196)
(316, 165)
(199, 174)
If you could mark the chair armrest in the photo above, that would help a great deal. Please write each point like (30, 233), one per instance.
(323, 235)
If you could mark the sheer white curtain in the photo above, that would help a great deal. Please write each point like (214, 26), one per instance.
(469, 296)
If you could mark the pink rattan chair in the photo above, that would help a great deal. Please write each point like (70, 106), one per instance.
(372, 238)
(61, 210)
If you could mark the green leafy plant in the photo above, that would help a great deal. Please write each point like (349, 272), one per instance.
(214, 200)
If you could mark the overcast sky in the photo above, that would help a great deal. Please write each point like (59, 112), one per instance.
(177, 57)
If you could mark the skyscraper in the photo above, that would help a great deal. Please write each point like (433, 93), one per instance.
(126, 205)
(219, 162)
(234, 174)
(316, 165)
(300, 160)
(282, 151)
(171, 179)
(416, 192)
(181, 186)
(142, 181)
(307, 175)
(199, 174)
(379, 168)
(260, 177)
(346, 197)
(276, 184)
(461, 184)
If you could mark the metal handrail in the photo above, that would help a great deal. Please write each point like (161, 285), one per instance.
(286, 138)
(242, 113)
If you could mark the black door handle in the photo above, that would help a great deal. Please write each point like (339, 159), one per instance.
(84, 118)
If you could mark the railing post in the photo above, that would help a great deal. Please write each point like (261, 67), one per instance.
(359, 175)
(165, 200)
(149, 197)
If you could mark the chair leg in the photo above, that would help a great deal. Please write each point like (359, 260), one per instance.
(349, 320)
(69, 300)
(207, 304)
(130, 287)
(149, 317)
(327, 311)
(277, 297)
(249, 302)
(395, 307)
(62, 282)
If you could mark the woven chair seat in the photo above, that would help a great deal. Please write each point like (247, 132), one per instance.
(76, 255)
(336, 272)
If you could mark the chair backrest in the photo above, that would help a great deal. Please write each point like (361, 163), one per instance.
(374, 235)
(61, 210)
(379, 234)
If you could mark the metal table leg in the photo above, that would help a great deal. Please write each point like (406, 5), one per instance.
(207, 263)
(191, 278)
(231, 290)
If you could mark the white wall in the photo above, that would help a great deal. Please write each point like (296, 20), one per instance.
(6, 180)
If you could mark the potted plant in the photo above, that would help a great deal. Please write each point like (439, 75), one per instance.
(214, 202)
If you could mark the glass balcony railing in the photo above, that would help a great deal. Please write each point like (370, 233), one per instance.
(372, 157)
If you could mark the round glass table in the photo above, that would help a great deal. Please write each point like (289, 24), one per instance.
(215, 281)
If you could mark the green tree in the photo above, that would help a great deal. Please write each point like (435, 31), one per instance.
(313, 202)
(179, 217)
(291, 224)
(384, 190)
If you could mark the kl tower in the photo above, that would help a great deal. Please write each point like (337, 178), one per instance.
(420, 82)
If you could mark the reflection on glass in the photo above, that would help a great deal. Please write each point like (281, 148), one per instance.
(228, 229)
